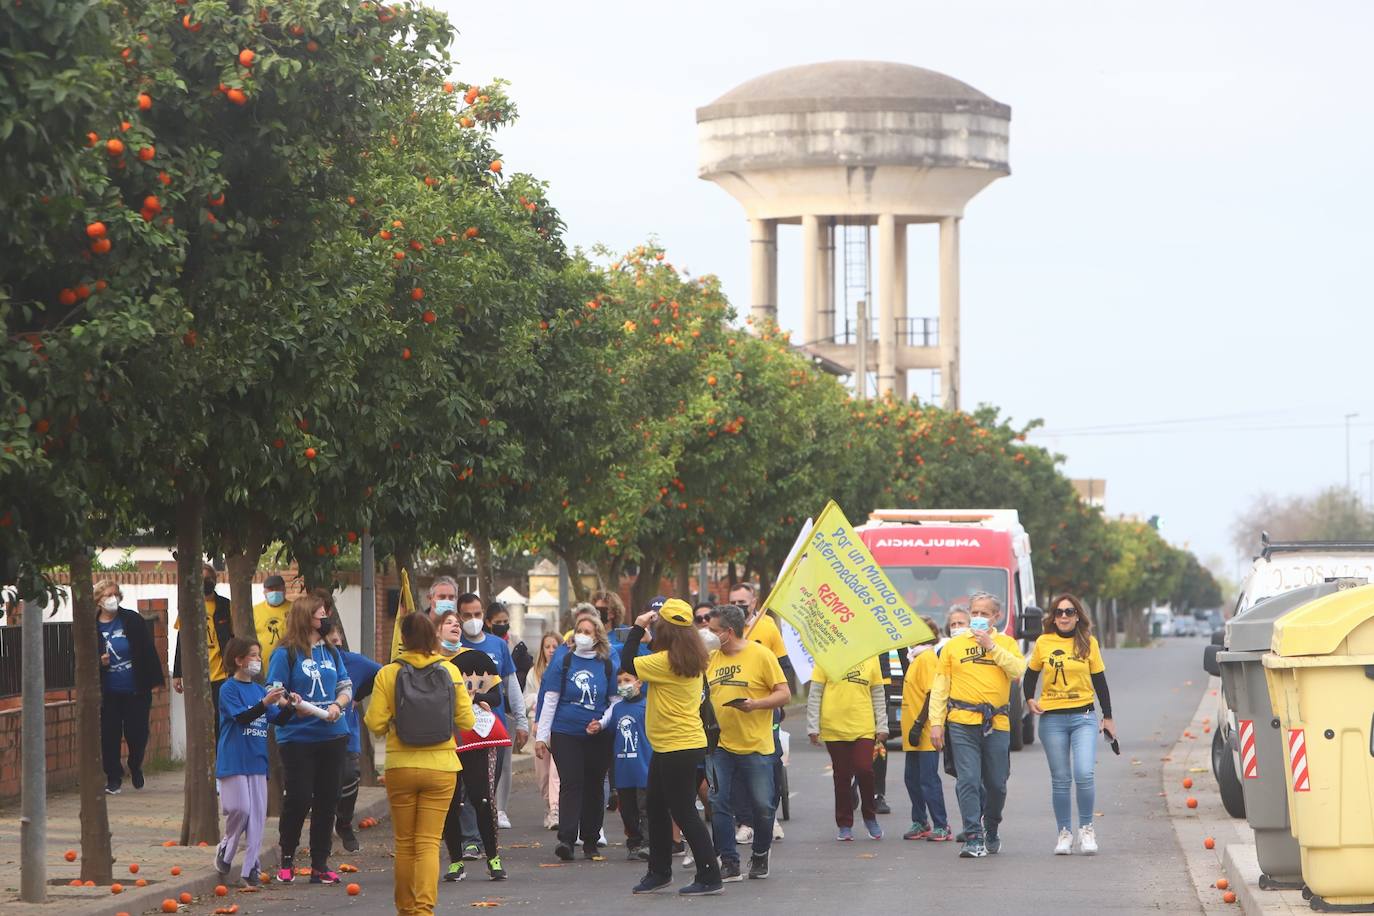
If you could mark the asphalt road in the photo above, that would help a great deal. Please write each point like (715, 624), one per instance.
(1140, 868)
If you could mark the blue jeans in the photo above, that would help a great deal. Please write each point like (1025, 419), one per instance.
(983, 763)
(1070, 742)
(923, 786)
(753, 773)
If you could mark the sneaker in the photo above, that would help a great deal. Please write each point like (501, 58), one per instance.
(286, 870)
(564, 852)
(221, 864)
(652, 882)
(601, 838)
(137, 777)
(248, 881)
(917, 832)
(875, 830)
(323, 877)
(502, 821)
(551, 821)
(111, 788)
(494, 869)
(939, 835)
(846, 835)
(1087, 840)
(880, 803)
(777, 830)
(993, 843)
(636, 853)
(729, 871)
(758, 866)
(592, 854)
(472, 852)
(688, 860)
(455, 872)
(973, 849)
(679, 847)
(347, 837)
(698, 889)
(1064, 844)
(744, 834)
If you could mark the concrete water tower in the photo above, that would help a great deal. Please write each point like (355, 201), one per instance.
(843, 147)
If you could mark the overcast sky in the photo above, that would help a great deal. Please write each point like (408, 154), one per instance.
(1185, 235)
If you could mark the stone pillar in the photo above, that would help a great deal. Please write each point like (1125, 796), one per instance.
(887, 300)
(811, 287)
(899, 311)
(763, 271)
(825, 327)
(949, 311)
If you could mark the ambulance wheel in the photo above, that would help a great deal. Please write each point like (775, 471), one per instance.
(1028, 730)
(1014, 714)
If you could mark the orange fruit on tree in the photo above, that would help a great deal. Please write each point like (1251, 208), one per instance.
(471, 95)
(448, 87)
(465, 121)
(417, 294)
(246, 58)
(385, 235)
(95, 230)
(69, 855)
(145, 101)
(101, 246)
(67, 297)
(310, 454)
(114, 146)
(428, 317)
(237, 96)
(405, 354)
(470, 232)
(147, 153)
(496, 166)
(398, 255)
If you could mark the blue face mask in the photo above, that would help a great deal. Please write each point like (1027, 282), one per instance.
(276, 599)
(444, 606)
(450, 646)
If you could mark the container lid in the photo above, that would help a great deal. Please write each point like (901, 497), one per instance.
(1253, 629)
(1340, 623)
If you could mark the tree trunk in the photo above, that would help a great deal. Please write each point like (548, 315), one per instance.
(200, 817)
(486, 580)
(682, 577)
(241, 557)
(276, 775)
(97, 859)
(367, 760)
(646, 585)
(734, 577)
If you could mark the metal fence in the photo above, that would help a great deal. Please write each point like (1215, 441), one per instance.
(59, 658)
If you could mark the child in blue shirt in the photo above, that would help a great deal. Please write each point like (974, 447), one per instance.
(625, 720)
(245, 707)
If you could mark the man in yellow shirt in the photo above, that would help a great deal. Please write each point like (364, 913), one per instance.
(763, 629)
(269, 614)
(219, 629)
(971, 691)
(746, 684)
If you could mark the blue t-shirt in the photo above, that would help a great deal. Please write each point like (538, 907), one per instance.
(632, 751)
(242, 749)
(118, 676)
(317, 677)
(496, 649)
(362, 671)
(584, 691)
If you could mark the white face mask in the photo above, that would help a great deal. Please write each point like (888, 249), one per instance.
(711, 640)
(110, 603)
(253, 668)
(583, 641)
(472, 627)
(956, 632)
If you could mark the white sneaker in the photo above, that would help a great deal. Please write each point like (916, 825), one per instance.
(502, 821)
(1065, 845)
(1087, 840)
(601, 840)
(687, 860)
(777, 830)
(745, 834)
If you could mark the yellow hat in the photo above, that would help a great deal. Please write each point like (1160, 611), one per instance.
(677, 612)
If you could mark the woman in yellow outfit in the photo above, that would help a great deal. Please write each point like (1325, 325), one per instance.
(922, 773)
(849, 715)
(419, 772)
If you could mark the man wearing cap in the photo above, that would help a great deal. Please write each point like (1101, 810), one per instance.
(672, 720)
(269, 614)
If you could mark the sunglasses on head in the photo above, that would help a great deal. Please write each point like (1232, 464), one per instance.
(1065, 612)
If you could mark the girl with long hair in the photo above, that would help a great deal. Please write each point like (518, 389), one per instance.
(545, 771)
(1075, 677)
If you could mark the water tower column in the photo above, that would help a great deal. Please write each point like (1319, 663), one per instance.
(825, 326)
(887, 300)
(763, 271)
(899, 389)
(811, 279)
(949, 311)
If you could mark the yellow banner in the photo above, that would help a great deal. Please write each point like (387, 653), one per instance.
(838, 598)
(405, 606)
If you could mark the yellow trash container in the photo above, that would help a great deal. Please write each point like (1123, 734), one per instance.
(1320, 675)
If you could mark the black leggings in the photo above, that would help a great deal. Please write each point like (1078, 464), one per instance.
(123, 716)
(582, 761)
(474, 782)
(672, 797)
(313, 770)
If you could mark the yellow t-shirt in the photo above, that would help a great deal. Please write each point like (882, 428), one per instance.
(672, 716)
(920, 674)
(847, 704)
(1068, 683)
(976, 678)
(750, 673)
(767, 634)
(270, 624)
(217, 672)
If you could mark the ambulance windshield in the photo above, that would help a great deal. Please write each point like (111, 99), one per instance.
(931, 590)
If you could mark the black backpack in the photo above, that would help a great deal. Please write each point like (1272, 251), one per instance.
(424, 704)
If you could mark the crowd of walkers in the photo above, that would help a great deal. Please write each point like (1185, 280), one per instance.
(672, 720)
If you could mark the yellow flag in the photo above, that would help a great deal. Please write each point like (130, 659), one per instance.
(842, 604)
(406, 605)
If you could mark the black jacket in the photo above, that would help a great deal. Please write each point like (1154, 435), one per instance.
(148, 673)
(224, 630)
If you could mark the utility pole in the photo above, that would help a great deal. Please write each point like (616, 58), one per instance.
(369, 590)
(704, 579)
(564, 590)
(33, 819)
(1348, 418)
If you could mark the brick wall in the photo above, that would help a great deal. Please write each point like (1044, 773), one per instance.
(59, 724)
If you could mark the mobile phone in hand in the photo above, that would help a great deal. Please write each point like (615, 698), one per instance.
(737, 701)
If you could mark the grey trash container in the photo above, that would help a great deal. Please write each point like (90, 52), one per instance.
(1263, 756)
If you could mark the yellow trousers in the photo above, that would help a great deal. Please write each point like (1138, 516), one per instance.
(419, 804)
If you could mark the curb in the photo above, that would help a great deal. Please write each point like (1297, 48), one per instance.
(1242, 868)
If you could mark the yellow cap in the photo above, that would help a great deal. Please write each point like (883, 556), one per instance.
(677, 612)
